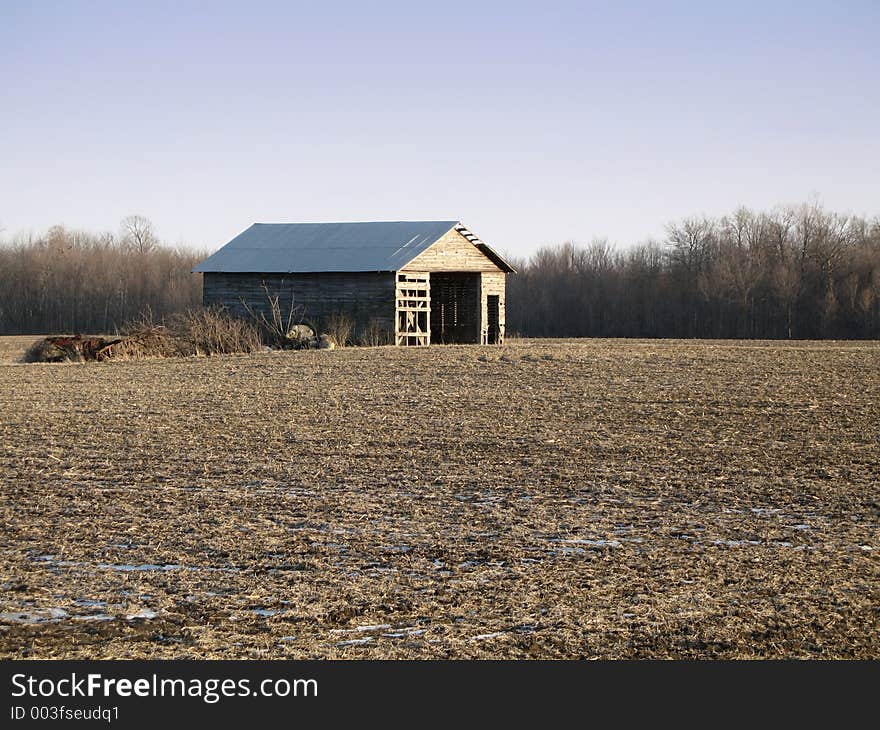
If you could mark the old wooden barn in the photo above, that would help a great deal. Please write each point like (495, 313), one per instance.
(415, 282)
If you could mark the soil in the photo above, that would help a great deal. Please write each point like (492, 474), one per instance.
(544, 499)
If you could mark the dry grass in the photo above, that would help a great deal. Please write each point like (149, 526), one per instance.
(544, 499)
(340, 328)
(196, 331)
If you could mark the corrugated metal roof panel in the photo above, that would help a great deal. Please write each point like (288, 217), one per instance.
(325, 247)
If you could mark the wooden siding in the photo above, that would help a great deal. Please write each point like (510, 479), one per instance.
(365, 297)
(452, 252)
(492, 283)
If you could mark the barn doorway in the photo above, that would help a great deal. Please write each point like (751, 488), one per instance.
(493, 320)
(455, 307)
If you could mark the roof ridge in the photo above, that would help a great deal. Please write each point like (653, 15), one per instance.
(355, 223)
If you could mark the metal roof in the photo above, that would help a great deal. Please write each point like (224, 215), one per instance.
(326, 247)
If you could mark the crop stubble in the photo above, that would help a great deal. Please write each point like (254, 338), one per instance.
(543, 499)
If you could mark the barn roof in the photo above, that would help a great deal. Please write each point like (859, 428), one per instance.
(326, 247)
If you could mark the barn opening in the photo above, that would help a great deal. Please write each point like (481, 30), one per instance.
(455, 307)
(493, 319)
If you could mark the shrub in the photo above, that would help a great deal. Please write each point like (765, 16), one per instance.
(196, 331)
(213, 331)
(374, 334)
(284, 328)
(340, 328)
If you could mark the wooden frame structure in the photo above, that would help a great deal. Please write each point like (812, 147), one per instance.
(413, 309)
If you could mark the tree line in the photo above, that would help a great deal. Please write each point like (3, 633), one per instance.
(796, 272)
(78, 282)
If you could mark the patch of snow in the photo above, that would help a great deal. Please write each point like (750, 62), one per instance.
(38, 616)
(582, 541)
(91, 603)
(95, 617)
(361, 629)
(144, 613)
(405, 632)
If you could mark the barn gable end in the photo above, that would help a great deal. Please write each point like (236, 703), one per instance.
(452, 252)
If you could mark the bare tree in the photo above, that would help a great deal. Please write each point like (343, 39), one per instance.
(282, 327)
(138, 232)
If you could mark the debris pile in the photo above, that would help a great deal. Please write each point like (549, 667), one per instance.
(185, 335)
(71, 349)
(305, 337)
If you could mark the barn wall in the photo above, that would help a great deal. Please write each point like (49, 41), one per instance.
(452, 252)
(366, 297)
(492, 282)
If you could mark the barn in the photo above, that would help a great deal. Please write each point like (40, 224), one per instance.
(412, 282)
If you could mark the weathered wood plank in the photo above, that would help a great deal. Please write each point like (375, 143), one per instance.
(452, 252)
(366, 297)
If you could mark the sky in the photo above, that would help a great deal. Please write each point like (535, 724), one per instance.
(533, 123)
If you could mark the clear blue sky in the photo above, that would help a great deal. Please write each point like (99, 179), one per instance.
(531, 122)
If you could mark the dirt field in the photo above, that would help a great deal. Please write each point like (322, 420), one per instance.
(12, 348)
(544, 499)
